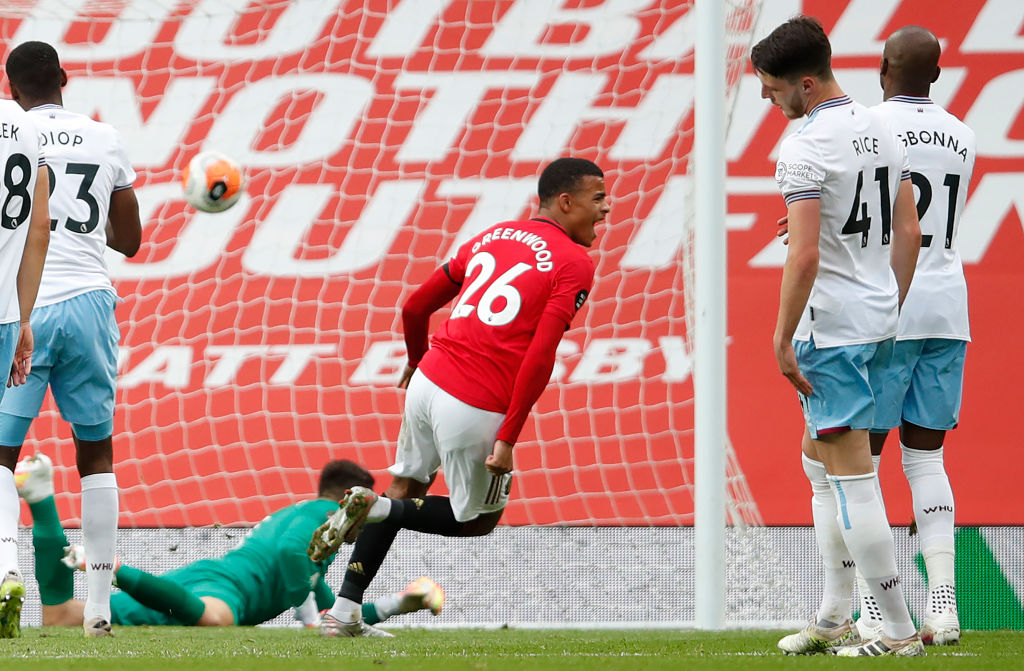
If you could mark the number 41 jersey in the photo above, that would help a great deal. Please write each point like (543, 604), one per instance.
(848, 157)
(942, 152)
(87, 163)
(510, 274)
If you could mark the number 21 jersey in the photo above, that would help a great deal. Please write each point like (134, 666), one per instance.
(942, 152)
(510, 274)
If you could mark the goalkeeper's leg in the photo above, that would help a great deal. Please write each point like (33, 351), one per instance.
(162, 595)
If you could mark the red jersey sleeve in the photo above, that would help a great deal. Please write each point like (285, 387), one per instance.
(432, 295)
(572, 285)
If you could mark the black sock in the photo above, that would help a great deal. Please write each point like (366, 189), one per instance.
(371, 548)
(429, 515)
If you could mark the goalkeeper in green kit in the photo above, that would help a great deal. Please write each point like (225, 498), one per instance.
(268, 573)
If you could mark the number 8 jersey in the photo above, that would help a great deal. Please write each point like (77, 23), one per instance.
(510, 274)
(20, 162)
(87, 163)
(848, 157)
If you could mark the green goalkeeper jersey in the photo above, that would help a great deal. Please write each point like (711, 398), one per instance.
(269, 572)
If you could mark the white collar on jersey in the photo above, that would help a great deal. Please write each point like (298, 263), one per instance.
(914, 100)
(828, 104)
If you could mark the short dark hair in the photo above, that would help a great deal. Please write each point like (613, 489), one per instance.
(797, 48)
(340, 475)
(34, 69)
(563, 175)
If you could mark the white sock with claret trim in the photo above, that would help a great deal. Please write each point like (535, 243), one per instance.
(869, 539)
(99, 534)
(838, 588)
(934, 513)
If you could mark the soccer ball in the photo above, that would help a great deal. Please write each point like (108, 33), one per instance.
(212, 182)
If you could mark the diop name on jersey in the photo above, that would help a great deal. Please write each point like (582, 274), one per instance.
(934, 137)
(63, 137)
(537, 244)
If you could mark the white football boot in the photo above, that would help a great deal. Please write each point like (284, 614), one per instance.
(332, 627)
(884, 646)
(813, 639)
(344, 525)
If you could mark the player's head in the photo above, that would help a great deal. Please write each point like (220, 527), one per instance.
(572, 192)
(910, 62)
(341, 475)
(35, 74)
(792, 64)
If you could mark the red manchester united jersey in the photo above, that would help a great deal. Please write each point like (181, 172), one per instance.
(510, 274)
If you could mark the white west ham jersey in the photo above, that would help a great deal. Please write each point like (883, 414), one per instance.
(848, 157)
(87, 163)
(942, 151)
(20, 161)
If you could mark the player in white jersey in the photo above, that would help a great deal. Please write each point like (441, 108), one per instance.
(24, 235)
(853, 243)
(92, 206)
(921, 391)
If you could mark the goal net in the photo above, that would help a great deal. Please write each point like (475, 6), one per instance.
(376, 137)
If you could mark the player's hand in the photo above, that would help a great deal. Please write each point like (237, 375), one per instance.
(403, 382)
(785, 355)
(500, 460)
(22, 364)
(783, 231)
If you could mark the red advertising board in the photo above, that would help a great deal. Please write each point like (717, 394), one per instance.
(262, 341)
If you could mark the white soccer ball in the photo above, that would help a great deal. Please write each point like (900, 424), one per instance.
(212, 182)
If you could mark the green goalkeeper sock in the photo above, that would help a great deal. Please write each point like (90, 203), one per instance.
(160, 594)
(56, 581)
(370, 614)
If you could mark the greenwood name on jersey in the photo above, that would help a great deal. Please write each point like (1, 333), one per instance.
(941, 149)
(511, 274)
(20, 161)
(848, 157)
(87, 163)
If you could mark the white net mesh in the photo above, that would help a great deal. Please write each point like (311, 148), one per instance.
(376, 136)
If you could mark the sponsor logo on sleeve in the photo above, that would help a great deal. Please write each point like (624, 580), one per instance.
(796, 171)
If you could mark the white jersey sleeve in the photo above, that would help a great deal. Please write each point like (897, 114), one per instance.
(941, 149)
(20, 161)
(87, 164)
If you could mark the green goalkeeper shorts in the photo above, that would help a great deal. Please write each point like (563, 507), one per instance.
(203, 578)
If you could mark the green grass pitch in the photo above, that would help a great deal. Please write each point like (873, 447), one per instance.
(249, 649)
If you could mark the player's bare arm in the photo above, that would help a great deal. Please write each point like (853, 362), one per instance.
(797, 279)
(124, 230)
(906, 237)
(29, 274)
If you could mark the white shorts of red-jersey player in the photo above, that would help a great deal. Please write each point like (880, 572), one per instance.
(440, 431)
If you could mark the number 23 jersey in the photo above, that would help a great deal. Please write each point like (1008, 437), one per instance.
(87, 163)
(511, 275)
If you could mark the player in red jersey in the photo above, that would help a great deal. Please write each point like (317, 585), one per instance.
(519, 284)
